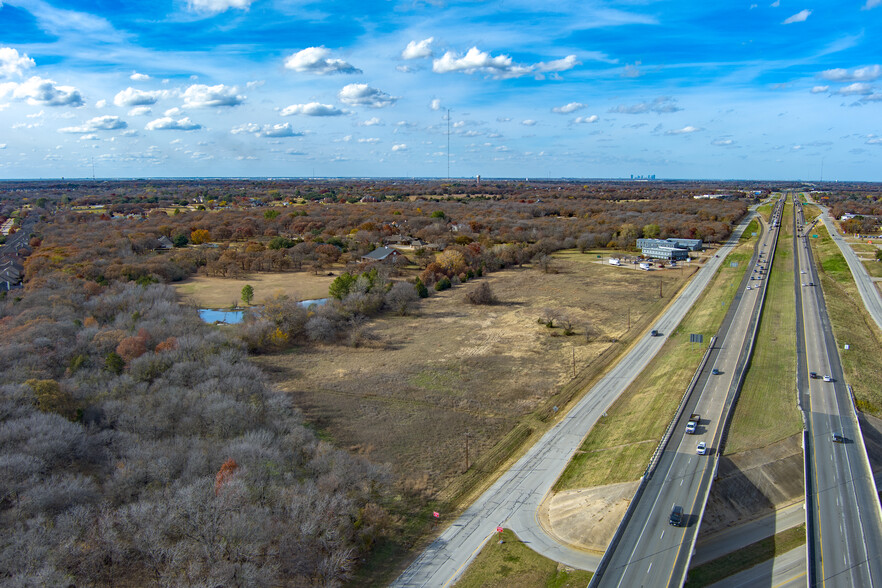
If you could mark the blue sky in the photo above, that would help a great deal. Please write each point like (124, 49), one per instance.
(777, 90)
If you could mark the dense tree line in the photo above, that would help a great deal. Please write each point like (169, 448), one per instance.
(138, 446)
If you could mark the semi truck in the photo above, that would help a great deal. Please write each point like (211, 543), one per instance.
(692, 424)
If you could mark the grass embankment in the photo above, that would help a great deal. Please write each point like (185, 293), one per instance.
(852, 325)
(619, 446)
(512, 563)
(765, 211)
(766, 411)
(747, 557)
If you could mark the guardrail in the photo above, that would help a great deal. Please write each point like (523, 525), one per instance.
(809, 510)
(866, 457)
(734, 394)
(650, 469)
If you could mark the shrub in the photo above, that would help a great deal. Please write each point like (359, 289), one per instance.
(481, 294)
(442, 284)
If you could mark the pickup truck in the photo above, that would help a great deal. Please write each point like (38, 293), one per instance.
(694, 419)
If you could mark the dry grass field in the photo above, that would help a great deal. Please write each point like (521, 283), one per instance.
(211, 292)
(455, 371)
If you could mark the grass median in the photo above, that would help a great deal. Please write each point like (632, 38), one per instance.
(745, 558)
(852, 325)
(620, 444)
(512, 563)
(766, 411)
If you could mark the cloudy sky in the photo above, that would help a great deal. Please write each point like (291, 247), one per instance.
(790, 89)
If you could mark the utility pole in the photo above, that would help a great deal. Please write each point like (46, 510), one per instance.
(448, 147)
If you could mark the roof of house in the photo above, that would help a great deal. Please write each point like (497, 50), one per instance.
(165, 242)
(380, 253)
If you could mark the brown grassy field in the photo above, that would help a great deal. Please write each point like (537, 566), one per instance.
(455, 370)
(211, 292)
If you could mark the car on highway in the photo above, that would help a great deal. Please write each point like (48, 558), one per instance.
(716, 372)
(814, 375)
(701, 448)
(827, 378)
(654, 333)
(838, 438)
(676, 518)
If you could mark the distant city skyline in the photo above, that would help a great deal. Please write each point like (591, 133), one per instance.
(292, 88)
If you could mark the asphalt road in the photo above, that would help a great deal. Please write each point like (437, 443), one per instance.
(786, 571)
(651, 551)
(843, 514)
(514, 499)
(867, 289)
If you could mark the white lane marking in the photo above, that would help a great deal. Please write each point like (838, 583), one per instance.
(649, 568)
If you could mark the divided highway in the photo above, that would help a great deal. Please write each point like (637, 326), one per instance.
(653, 548)
(844, 521)
(514, 499)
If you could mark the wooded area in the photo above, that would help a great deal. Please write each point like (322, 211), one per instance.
(138, 445)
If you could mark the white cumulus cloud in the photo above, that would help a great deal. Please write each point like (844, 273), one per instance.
(869, 73)
(132, 97)
(167, 123)
(568, 108)
(99, 123)
(435, 104)
(202, 96)
(12, 63)
(857, 88)
(661, 105)
(418, 49)
(218, 6)
(39, 91)
(139, 77)
(684, 131)
(586, 119)
(528, 122)
(315, 60)
(312, 109)
(273, 131)
(820, 89)
(372, 122)
(140, 111)
(871, 4)
(800, 16)
(499, 66)
(364, 95)
(399, 147)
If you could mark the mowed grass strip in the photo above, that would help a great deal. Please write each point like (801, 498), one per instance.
(619, 446)
(862, 362)
(513, 564)
(746, 558)
(766, 411)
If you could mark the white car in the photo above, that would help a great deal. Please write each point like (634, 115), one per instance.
(701, 448)
(827, 378)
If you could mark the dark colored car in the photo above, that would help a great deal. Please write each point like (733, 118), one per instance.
(837, 438)
(676, 516)
(716, 372)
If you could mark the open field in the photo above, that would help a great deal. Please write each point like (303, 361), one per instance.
(753, 554)
(851, 324)
(456, 374)
(513, 564)
(766, 411)
(212, 292)
(874, 268)
(620, 445)
(456, 369)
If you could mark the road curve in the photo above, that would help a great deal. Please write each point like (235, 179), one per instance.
(514, 499)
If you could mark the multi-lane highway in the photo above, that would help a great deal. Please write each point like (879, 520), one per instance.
(844, 523)
(514, 499)
(652, 551)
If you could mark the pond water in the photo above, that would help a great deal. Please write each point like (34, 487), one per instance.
(225, 316)
(231, 317)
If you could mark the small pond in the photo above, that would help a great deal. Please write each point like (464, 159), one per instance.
(231, 317)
